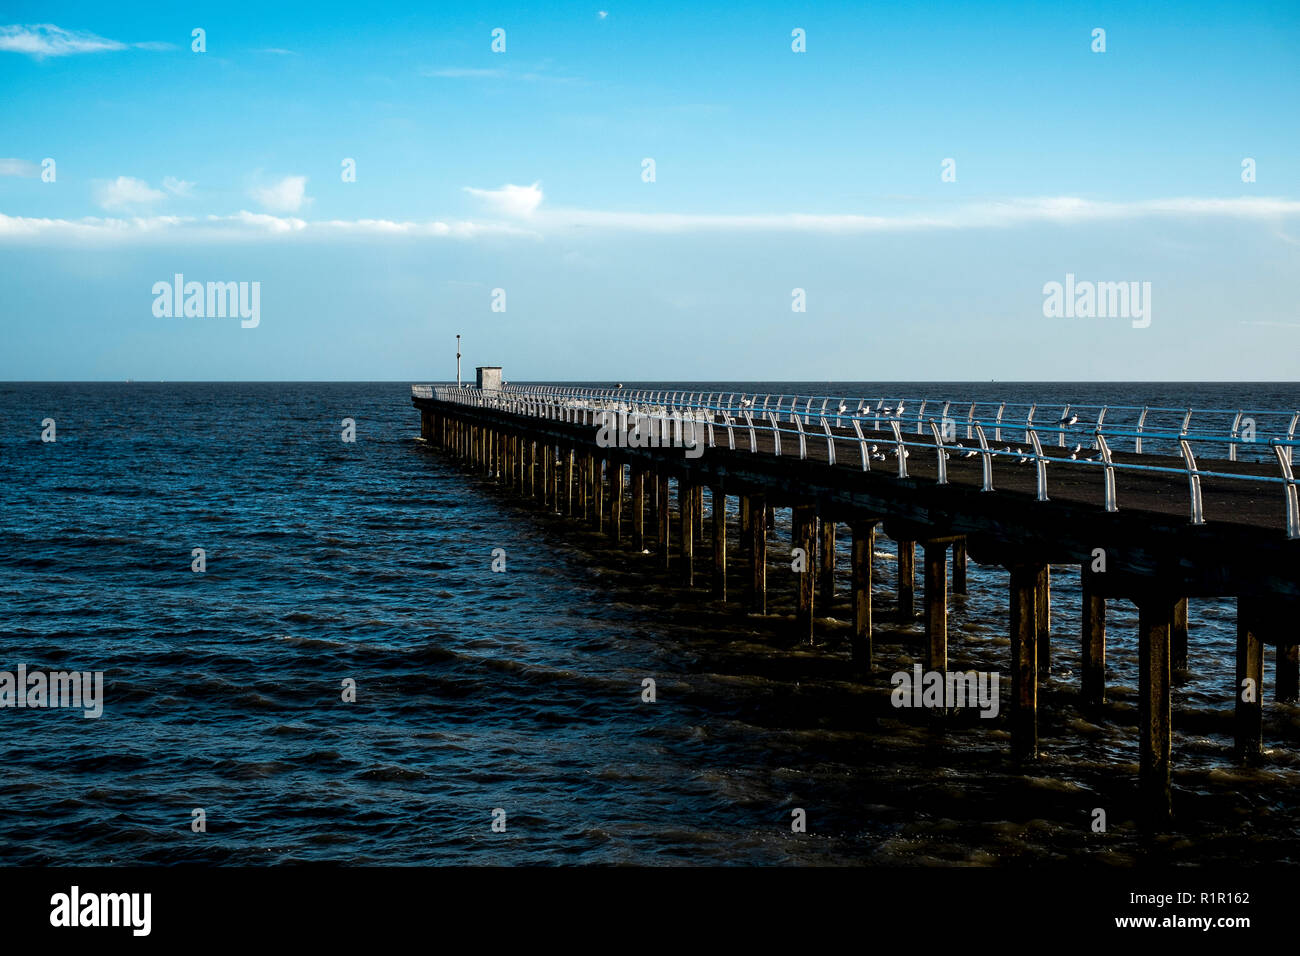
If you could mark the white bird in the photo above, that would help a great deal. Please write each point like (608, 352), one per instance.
(1023, 459)
(843, 408)
(1074, 455)
(900, 409)
(1007, 450)
(874, 449)
(1077, 449)
(887, 409)
(970, 454)
(746, 402)
(878, 456)
(946, 456)
(1068, 421)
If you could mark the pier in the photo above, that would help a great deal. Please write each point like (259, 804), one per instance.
(1153, 506)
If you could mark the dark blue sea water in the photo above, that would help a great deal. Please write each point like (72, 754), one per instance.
(370, 561)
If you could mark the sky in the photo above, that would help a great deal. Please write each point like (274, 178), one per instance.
(891, 202)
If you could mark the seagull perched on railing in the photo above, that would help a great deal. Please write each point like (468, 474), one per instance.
(842, 409)
(1077, 449)
(1067, 422)
(746, 402)
(971, 454)
(885, 409)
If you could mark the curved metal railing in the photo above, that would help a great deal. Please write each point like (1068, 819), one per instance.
(706, 414)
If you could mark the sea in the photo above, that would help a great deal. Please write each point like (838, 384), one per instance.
(346, 679)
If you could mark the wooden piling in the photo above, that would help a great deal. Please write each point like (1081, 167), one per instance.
(616, 500)
(1043, 615)
(1155, 617)
(598, 492)
(686, 511)
(568, 482)
(936, 605)
(1286, 686)
(959, 566)
(757, 546)
(826, 567)
(803, 524)
(1178, 636)
(719, 498)
(1248, 689)
(663, 520)
(906, 579)
(1093, 649)
(1024, 664)
(638, 509)
(863, 551)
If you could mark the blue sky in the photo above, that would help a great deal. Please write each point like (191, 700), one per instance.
(774, 170)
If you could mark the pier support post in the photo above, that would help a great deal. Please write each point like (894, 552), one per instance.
(1024, 663)
(697, 501)
(568, 482)
(864, 547)
(598, 492)
(584, 486)
(1155, 617)
(1043, 615)
(1093, 647)
(936, 605)
(638, 509)
(719, 498)
(663, 516)
(744, 516)
(803, 521)
(959, 566)
(548, 463)
(686, 511)
(757, 547)
(826, 567)
(906, 579)
(1178, 636)
(1286, 687)
(1248, 688)
(616, 500)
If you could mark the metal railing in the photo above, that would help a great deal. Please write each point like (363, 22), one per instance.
(706, 413)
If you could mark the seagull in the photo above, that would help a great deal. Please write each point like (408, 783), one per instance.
(887, 409)
(970, 454)
(1068, 421)
(900, 409)
(1077, 449)
(878, 456)
(874, 449)
(1023, 459)
(746, 402)
(620, 384)
(843, 408)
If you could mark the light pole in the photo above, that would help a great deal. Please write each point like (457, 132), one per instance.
(458, 361)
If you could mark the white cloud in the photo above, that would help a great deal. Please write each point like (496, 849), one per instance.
(45, 39)
(154, 45)
(602, 14)
(125, 192)
(288, 195)
(177, 187)
(462, 72)
(243, 226)
(278, 51)
(18, 167)
(521, 203)
(513, 201)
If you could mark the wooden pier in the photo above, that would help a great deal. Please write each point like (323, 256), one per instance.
(1148, 548)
